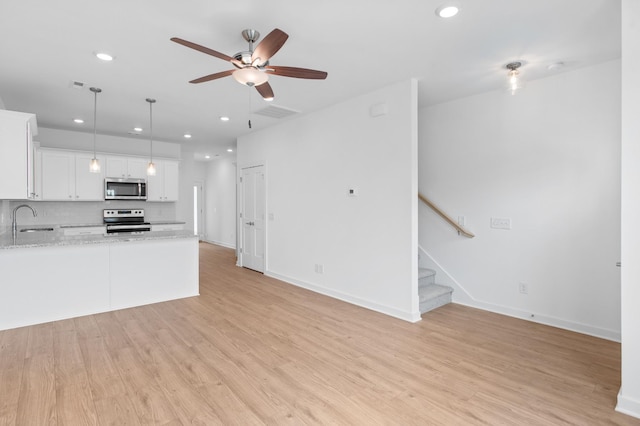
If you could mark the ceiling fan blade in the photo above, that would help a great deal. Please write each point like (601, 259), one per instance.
(269, 45)
(296, 72)
(204, 50)
(212, 76)
(265, 90)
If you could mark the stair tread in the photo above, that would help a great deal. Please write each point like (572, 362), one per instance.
(432, 291)
(425, 272)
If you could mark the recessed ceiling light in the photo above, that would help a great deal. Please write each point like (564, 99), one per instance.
(137, 129)
(187, 136)
(207, 156)
(229, 150)
(78, 120)
(104, 56)
(447, 11)
(224, 118)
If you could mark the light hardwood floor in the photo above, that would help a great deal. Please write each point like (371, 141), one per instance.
(252, 350)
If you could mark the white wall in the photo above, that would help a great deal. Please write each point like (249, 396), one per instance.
(629, 396)
(220, 202)
(548, 159)
(367, 243)
(190, 172)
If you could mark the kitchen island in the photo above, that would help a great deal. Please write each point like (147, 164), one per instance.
(47, 276)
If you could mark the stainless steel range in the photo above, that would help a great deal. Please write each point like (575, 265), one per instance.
(125, 221)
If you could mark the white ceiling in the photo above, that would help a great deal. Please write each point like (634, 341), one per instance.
(363, 45)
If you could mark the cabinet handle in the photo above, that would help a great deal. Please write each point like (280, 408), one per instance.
(70, 196)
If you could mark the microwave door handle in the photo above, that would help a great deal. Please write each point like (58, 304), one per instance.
(139, 189)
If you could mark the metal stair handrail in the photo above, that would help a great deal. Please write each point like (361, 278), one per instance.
(461, 230)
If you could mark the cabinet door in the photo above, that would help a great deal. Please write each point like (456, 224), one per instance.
(89, 186)
(155, 184)
(171, 176)
(137, 168)
(116, 167)
(16, 159)
(58, 175)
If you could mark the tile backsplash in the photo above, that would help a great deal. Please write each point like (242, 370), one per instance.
(79, 212)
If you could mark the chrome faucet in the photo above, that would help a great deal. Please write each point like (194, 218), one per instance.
(14, 224)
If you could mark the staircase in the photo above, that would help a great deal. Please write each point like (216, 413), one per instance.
(431, 295)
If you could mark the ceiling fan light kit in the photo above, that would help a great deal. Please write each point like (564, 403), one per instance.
(252, 66)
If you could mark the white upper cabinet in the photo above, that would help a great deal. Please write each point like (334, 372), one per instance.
(126, 167)
(16, 155)
(164, 185)
(65, 176)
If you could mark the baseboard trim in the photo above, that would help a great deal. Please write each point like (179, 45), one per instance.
(628, 406)
(220, 243)
(468, 299)
(383, 309)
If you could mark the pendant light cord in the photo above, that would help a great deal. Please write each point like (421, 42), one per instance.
(151, 102)
(95, 108)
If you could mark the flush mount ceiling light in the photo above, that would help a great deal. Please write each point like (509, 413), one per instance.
(447, 11)
(151, 168)
(104, 56)
(250, 77)
(224, 118)
(514, 80)
(94, 165)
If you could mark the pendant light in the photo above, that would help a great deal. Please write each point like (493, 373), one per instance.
(94, 166)
(151, 168)
(515, 81)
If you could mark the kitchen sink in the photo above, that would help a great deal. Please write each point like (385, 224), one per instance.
(36, 230)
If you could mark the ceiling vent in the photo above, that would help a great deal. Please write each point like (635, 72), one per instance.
(276, 112)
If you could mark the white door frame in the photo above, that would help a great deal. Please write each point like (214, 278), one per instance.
(239, 214)
(203, 206)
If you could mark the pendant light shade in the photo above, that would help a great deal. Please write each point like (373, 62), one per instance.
(94, 165)
(151, 168)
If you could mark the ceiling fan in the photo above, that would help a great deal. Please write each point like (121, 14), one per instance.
(252, 66)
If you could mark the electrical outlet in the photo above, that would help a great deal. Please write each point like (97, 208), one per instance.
(501, 223)
(461, 220)
(523, 288)
(319, 268)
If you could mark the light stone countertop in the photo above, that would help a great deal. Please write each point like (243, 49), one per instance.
(57, 238)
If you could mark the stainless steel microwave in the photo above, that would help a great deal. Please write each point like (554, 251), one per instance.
(125, 189)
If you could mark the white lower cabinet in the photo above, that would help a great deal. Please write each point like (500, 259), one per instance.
(153, 271)
(65, 176)
(42, 284)
(168, 227)
(85, 230)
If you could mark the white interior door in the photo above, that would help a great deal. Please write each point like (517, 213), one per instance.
(253, 218)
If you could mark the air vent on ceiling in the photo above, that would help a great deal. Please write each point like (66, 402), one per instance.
(276, 112)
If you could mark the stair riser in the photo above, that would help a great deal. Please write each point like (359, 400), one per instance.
(429, 305)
